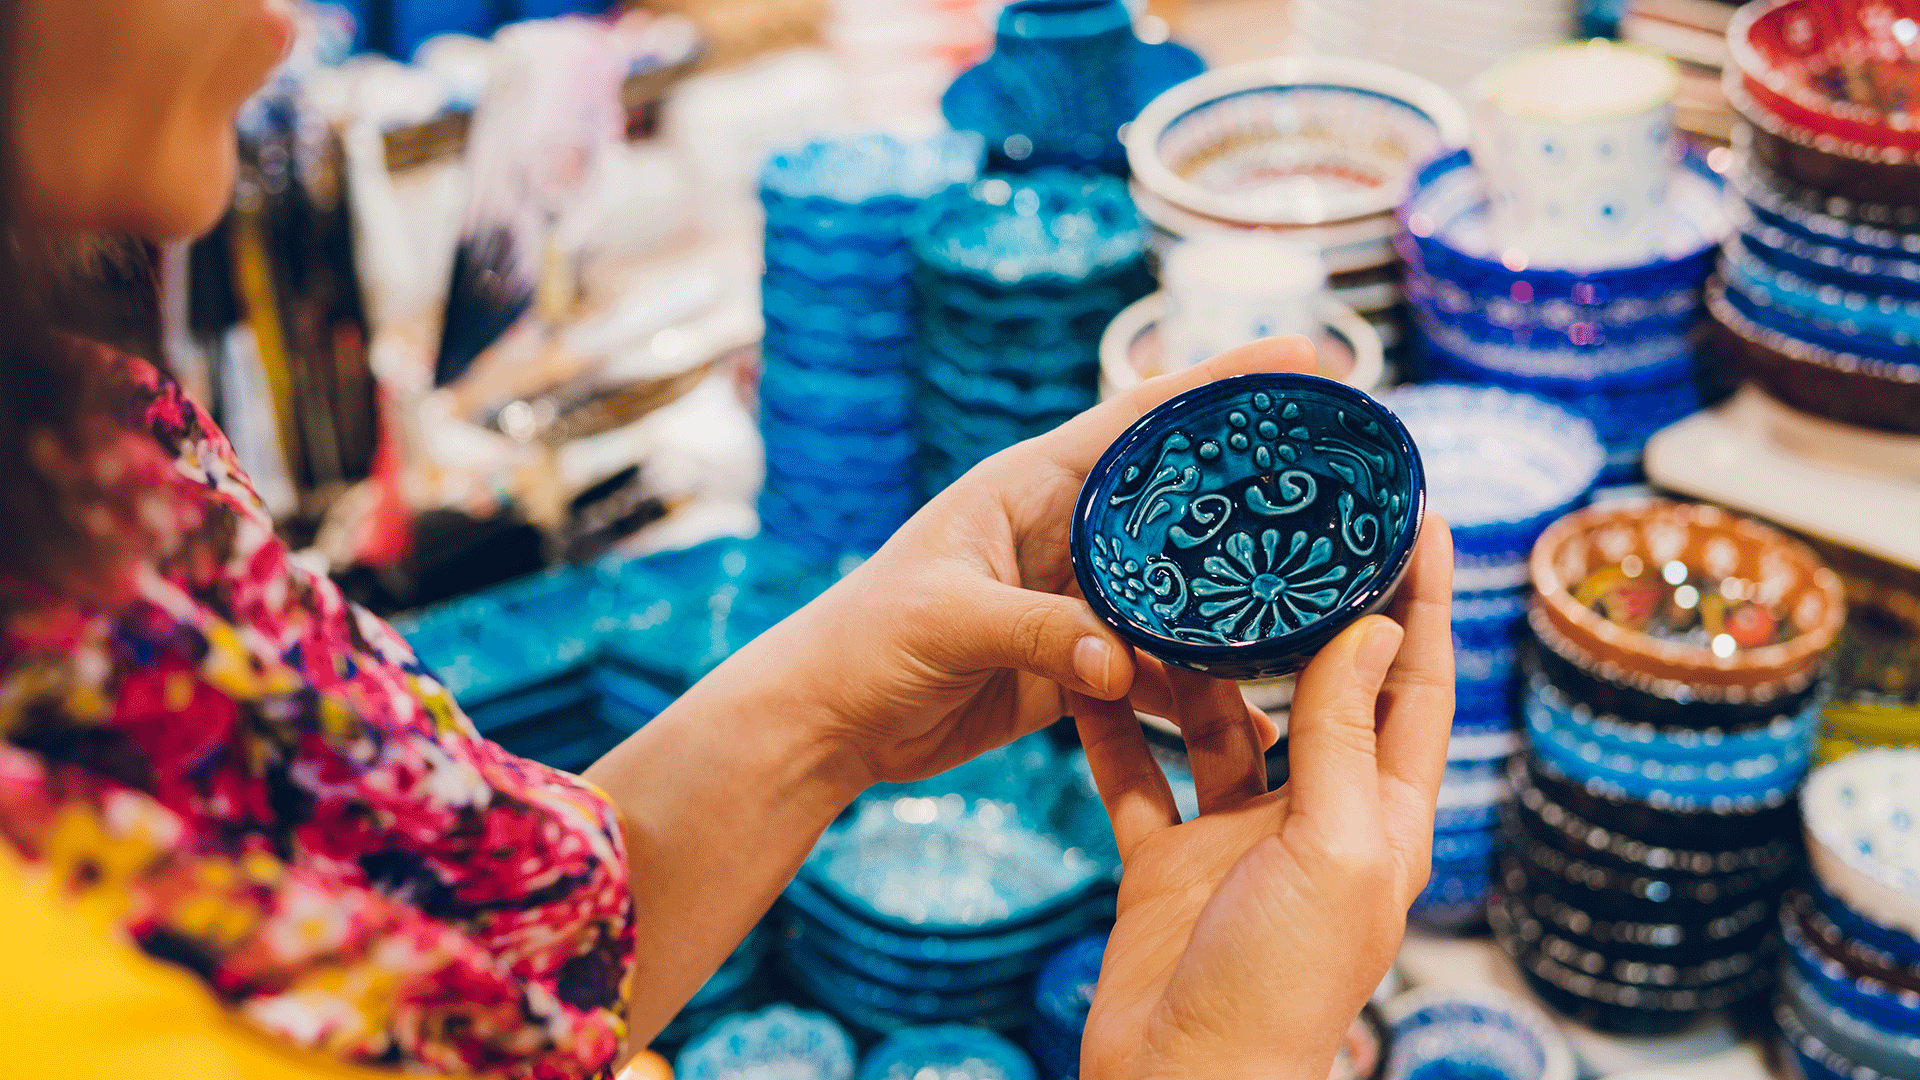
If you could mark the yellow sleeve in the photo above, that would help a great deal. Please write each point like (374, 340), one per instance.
(83, 1005)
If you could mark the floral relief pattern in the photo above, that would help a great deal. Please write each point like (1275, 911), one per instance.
(251, 778)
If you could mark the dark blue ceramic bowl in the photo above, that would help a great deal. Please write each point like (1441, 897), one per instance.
(1239, 527)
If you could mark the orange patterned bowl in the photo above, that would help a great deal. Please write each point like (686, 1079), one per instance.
(1694, 549)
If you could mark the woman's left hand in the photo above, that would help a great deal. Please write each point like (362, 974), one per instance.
(960, 634)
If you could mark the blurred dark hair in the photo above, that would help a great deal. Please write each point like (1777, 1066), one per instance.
(50, 288)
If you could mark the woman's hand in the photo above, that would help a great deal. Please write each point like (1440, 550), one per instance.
(1249, 938)
(960, 634)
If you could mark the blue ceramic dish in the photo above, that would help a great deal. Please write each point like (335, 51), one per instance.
(950, 1051)
(1890, 1007)
(1760, 310)
(1787, 737)
(1895, 1053)
(1064, 991)
(1452, 1032)
(1901, 950)
(1500, 467)
(1842, 307)
(938, 977)
(1444, 228)
(947, 948)
(1767, 773)
(1487, 620)
(1818, 1060)
(1240, 526)
(780, 1040)
(1656, 361)
(924, 1005)
(1554, 324)
(1787, 248)
(871, 1019)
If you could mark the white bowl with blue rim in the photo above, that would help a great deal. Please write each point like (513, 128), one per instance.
(1501, 466)
(1862, 815)
(781, 1041)
(1446, 1032)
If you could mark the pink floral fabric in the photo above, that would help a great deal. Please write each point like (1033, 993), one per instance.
(256, 780)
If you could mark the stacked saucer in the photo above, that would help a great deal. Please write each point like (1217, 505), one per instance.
(1671, 701)
(1312, 149)
(836, 388)
(938, 901)
(778, 1041)
(1849, 1004)
(1820, 298)
(1500, 467)
(1613, 345)
(1015, 280)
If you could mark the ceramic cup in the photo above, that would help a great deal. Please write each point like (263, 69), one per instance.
(1577, 144)
(1226, 289)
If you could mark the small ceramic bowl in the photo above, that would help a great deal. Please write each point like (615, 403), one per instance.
(1348, 349)
(1882, 393)
(1482, 1032)
(1291, 141)
(1841, 72)
(1823, 209)
(950, 1051)
(780, 1040)
(1893, 1007)
(1863, 831)
(1875, 1047)
(1240, 526)
(1500, 466)
(1657, 535)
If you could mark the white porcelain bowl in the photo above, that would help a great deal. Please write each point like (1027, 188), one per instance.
(1862, 816)
(1349, 347)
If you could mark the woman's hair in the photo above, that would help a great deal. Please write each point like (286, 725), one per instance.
(48, 393)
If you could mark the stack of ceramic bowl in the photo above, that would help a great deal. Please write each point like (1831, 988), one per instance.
(1671, 702)
(946, 1052)
(1016, 278)
(1820, 301)
(939, 901)
(1448, 1031)
(1065, 77)
(836, 389)
(779, 1041)
(1317, 150)
(1062, 997)
(1849, 1003)
(1566, 256)
(1500, 468)
(1447, 41)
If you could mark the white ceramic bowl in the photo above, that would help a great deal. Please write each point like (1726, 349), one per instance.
(1350, 348)
(1262, 143)
(1862, 816)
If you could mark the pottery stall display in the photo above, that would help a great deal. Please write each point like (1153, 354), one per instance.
(1316, 150)
(1238, 527)
(1015, 279)
(1819, 296)
(836, 383)
(782, 1041)
(1500, 468)
(1065, 77)
(1849, 1003)
(1672, 691)
(1614, 345)
(1445, 41)
(938, 901)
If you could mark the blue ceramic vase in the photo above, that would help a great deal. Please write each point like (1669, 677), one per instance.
(1240, 526)
(1064, 76)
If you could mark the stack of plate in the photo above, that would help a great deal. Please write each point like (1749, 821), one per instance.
(779, 1041)
(1849, 1004)
(946, 1052)
(836, 387)
(1821, 295)
(1615, 346)
(1447, 41)
(1500, 467)
(1015, 279)
(1671, 704)
(1062, 997)
(1319, 150)
(939, 901)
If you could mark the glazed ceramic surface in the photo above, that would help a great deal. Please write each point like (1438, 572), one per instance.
(1293, 141)
(946, 1052)
(1863, 816)
(780, 1041)
(1240, 526)
(1577, 144)
(1455, 1031)
(1223, 291)
(1840, 74)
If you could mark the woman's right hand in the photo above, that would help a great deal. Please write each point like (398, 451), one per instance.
(1248, 939)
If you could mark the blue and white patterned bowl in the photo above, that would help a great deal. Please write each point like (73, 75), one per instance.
(1455, 1031)
(1842, 306)
(1239, 527)
(946, 1052)
(1862, 817)
(1892, 1007)
(1500, 466)
(1895, 1053)
(778, 1041)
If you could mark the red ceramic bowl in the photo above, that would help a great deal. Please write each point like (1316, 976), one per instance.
(1842, 75)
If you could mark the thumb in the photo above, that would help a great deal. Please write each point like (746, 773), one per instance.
(1059, 638)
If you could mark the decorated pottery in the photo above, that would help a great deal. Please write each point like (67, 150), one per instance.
(780, 1040)
(1346, 346)
(1836, 74)
(1240, 526)
(1473, 1031)
(1826, 374)
(950, 1052)
(1863, 831)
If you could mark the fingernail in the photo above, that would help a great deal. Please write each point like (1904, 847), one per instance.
(1377, 650)
(1091, 659)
